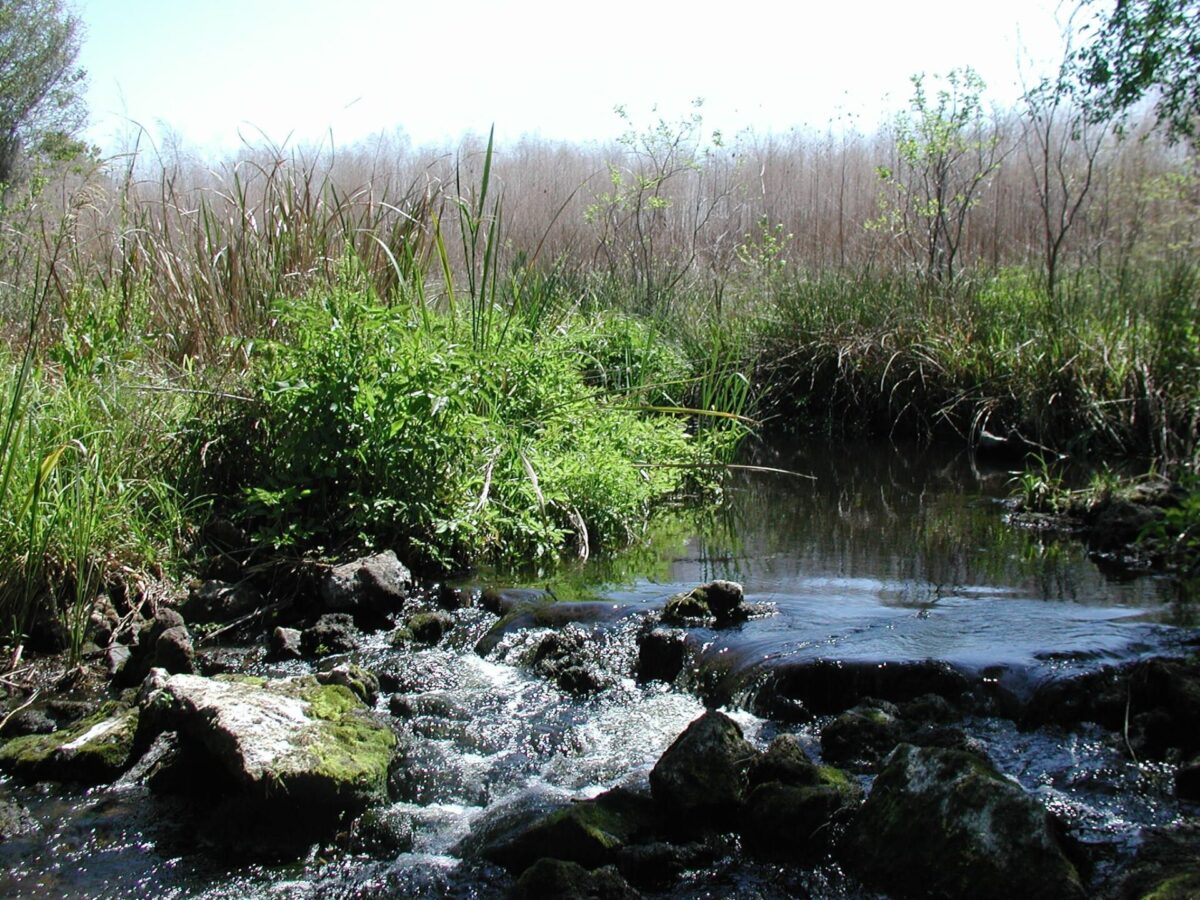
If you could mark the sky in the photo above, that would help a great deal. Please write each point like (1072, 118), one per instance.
(209, 75)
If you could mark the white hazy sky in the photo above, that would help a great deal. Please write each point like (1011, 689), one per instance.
(208, 71)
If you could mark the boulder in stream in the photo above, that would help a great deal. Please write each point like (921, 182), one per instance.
(378, 583)
(298, 754)
(719, 601)
(554, 879)
(946, 823)
(587, 832)
(862, 736)
(701, 778)
(94, 750)
(792, 802)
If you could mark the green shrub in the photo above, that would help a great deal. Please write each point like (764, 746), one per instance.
(379, 427)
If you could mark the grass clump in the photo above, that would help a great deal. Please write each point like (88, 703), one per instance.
(374, 425)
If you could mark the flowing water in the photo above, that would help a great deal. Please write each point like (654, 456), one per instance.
(887, 559)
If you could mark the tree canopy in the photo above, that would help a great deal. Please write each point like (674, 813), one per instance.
(1146, 48)
(41, 87)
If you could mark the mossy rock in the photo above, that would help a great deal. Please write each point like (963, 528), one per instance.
(94, 750)
(945, 823)
(293, 741)
(554, 879)
(590, 832)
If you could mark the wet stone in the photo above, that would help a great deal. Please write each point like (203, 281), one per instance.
(284, 643)
(945, 823)
(661, 655)
(554, 879)
(331, 633)
(429, 627)
(701, 778)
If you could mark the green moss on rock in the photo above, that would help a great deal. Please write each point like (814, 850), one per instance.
(95, 750)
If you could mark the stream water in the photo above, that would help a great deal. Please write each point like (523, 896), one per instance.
(886, 557)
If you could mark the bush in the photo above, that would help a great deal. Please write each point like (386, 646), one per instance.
(382, 428)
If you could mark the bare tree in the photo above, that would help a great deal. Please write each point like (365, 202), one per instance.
(1063, 139)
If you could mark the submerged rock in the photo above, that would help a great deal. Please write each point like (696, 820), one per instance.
(94, 750)
(701, 778)
(944, 823)
(15, 820)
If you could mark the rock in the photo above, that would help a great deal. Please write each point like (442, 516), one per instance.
(792, 802)
(787, 822)
(284, 643)
(165, 633)
(862, 736)
(502, 601)
(29, 721)
(523, 615)
(720, 601)
(295, 747)
(15, 820)
(944, 823)
(429, 627)
(378, 583)
(1167, 866)
(94, 750)
(1187, 781)
(362, 683)
(784, 761)
(553, 879)
(221, 601)
(384, 830)
(331, 633)
(116, 658)
(439, 704)
(656, 865)
(562, 657)
(824, 686)
(661, 655)
(104, 620)
(701, 778)
(174, 652)
(589, 832)
(1159, 699)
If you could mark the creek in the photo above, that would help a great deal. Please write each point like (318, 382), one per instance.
(889, 562)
